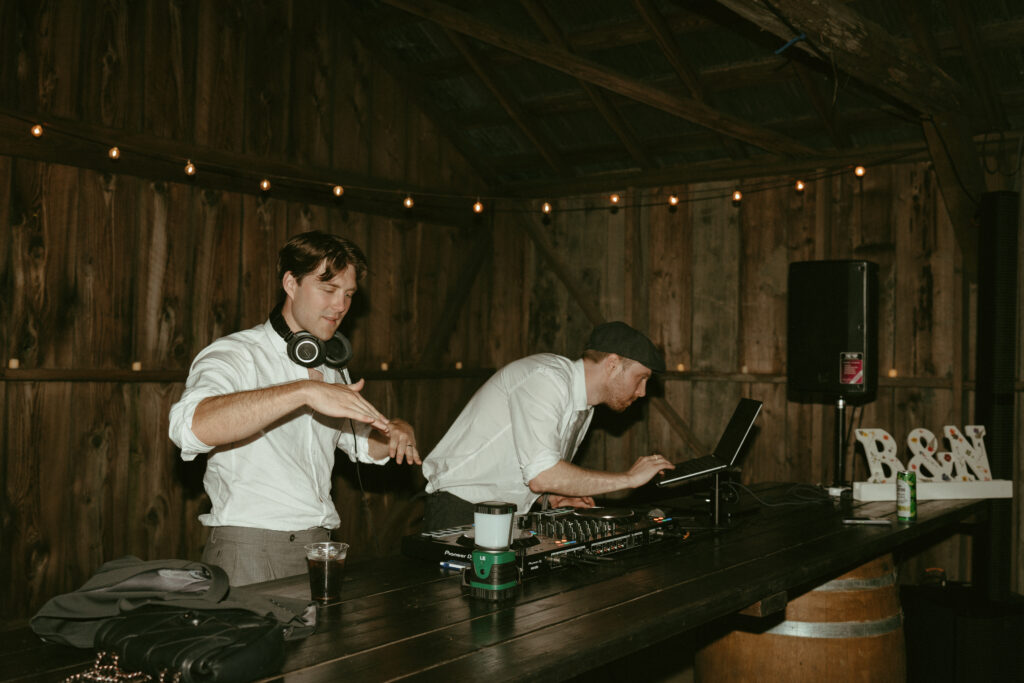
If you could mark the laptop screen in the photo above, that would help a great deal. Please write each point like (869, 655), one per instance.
(726, 453)
(735, 434)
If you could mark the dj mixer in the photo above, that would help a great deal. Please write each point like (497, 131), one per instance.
(552, 538)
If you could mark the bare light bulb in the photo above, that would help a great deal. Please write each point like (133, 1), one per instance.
(800, 186)
(407, 202)
(859, 171)
(190, 168)
(614, 199)
(478, 207)
(737, 196)
(546, 207)
(673, 200)
(114, 153)
(338, 190)
(37, 131)
(265, 185)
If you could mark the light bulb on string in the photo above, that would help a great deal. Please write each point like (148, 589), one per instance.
(859, 171)
(673, 200)
(265, 185)
(800, 186)
(37, 131)
(190, 168)
(478, 206)
(408, 202)
(338, 190)
(546, 207)
(614, 198)
(114, 153)
(737, 197)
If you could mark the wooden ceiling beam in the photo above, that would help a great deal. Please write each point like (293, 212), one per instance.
(666, 41)
(726, 169)
(859, 47)
(608, 112)
(994, 35)
(519, 117)
(583, 69)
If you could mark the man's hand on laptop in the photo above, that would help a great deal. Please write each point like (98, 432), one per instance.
(646, 466)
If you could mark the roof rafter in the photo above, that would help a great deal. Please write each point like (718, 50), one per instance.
(566, 62)
(858, 47)
(611, 115)
(666, 42)
(508, 103)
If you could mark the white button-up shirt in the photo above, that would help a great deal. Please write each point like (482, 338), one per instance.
(279, 479)
(516, 426)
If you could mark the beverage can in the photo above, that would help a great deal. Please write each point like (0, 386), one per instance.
(906, 496)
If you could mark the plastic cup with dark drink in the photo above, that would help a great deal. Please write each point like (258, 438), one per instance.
(326, 563)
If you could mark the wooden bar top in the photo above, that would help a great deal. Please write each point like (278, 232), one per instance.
(402, 618)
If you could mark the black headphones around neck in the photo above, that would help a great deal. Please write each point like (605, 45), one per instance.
(307, 349)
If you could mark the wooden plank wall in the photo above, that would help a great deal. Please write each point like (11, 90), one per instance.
(716, 301)
(98, 271)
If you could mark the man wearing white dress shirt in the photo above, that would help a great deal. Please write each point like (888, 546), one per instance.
(516, 438)
(270, 405)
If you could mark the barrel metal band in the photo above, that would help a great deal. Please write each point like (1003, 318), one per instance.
(859, 584)
(837, 629)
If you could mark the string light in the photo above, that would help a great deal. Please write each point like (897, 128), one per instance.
(114, 153)
(892, 372)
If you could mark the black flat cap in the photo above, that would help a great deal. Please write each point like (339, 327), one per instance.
(621, 339)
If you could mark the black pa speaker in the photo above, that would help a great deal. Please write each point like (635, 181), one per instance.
(832, 332)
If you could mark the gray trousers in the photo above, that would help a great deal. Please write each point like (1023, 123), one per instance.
(252, 555)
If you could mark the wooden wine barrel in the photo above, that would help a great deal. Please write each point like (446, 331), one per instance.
(849, 629)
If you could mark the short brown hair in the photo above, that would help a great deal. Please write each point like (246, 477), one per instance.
(304, 253)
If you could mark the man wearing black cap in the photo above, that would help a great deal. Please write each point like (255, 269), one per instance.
(516, 437)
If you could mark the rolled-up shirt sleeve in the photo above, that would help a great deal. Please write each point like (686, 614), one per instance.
(214, 372)
(537, 406)
(355, 442)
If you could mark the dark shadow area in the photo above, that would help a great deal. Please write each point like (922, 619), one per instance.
(954, 633)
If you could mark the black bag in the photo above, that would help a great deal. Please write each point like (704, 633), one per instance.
(202, 645)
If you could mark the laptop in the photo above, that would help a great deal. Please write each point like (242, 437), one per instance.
(726, 453)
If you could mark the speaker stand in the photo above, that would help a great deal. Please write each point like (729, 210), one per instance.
(838, 450)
